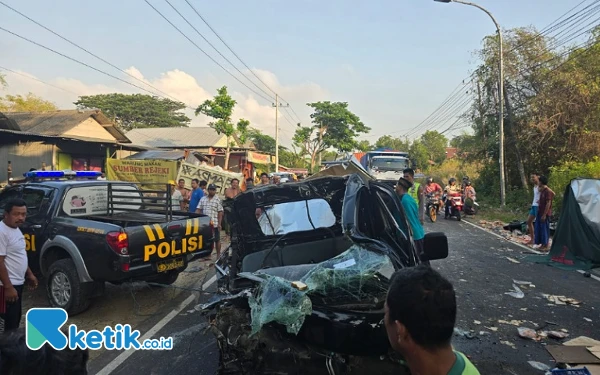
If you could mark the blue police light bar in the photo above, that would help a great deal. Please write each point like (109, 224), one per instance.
(59, 174)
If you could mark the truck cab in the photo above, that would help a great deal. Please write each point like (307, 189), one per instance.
(386, 166)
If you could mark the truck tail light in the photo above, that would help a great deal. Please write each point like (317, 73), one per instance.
(118, 242)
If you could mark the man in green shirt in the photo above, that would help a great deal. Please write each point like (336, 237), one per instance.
(420, 313)
(412, 213)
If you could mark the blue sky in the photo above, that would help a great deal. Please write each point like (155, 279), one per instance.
(394, 62)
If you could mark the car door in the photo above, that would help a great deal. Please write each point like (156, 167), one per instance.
(389, 207)
(39, 201)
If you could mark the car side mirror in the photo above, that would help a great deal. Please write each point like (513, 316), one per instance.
(435, 246)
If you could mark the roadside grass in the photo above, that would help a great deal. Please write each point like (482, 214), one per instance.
(490, 210)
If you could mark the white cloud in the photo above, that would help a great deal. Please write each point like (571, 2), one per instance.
(184, 87)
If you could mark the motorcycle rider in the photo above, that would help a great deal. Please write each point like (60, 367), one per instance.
(451, 189)
(436, 190)
(469, 197)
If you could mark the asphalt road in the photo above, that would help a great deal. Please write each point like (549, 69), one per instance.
(481, 273)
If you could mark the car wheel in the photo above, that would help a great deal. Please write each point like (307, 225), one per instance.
(64, 288)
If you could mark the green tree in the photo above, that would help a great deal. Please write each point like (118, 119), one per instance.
(419, 155)
(221, 109)
(333, 126)
(364, 146)
(291, 158)
(436, 144)
(28, 103)
(387, 141)
(262, 142)
(3, 81)
(137, 110)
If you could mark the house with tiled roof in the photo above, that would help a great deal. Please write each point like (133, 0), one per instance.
(56, 140)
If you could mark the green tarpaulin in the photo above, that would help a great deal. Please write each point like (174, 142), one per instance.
(576, 242)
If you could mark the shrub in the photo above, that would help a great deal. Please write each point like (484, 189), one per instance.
(561, 176)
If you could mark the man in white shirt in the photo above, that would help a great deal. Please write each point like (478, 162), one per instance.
(534, 206)
(14, 269)
(211, 206)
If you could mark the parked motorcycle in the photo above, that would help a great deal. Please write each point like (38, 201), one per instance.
(470, 207)
(456, 206)
(432, 206)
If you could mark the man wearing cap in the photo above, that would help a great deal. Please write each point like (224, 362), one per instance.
(412, 213)
(211, 206)
(177, 201)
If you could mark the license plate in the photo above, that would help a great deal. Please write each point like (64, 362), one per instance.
(168, 265)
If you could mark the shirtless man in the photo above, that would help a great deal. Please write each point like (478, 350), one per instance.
(234, 190)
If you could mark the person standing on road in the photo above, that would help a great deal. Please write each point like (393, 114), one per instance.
(230, 193)
(176, 197)
(196, 194)
(542, 220)
(185, 193)
(14, 268)
(264, 179)
(211, 206)
(412, 214)
(416, 192)
(535, 180)
(234, 190)
(421, 331)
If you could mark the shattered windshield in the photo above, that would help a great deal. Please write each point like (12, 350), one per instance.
(389, 164)
(290, 217)
(356, 279)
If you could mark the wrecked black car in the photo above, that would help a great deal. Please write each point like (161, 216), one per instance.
(303, 285)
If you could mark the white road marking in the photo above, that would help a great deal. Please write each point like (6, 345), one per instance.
(210, 282)
(592, 276)
(499, 236)
(112, 366)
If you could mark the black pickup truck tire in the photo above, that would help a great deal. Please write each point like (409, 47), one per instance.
(64, 288)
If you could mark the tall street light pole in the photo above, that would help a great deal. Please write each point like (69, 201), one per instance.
(501, 94)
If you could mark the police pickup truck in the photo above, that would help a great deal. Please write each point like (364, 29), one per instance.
(81, 232)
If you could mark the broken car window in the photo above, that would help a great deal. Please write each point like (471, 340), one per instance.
(290, 217)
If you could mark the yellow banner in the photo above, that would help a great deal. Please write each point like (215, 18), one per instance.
(212, 175)
(141, 171)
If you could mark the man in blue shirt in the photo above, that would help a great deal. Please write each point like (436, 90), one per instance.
(412, 213)
(196, 195)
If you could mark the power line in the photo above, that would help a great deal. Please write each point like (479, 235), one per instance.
(238, 57)
(570, 20)
(219, 52)
(88, 52)
(79, 62)
(39, 80)
(207, 55)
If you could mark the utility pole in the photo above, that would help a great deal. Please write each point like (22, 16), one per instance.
(501, 94)
(277, 105)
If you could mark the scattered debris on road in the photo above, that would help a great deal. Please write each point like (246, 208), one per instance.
(512, 260)
(587, 319)
(561, 300)
(528, 333)
(508, 343)
(539, 366)
(512, 322)
(476, 322)
(518, 293)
